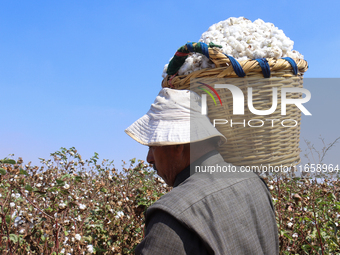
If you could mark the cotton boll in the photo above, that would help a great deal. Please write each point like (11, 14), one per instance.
(239, 47)
(186, 66)
(205, 62)
(215, 33)
(280, 38)
(230, 21)
(227, 49)
(259, 22)
(299, 55)
(243, 58)
(276, 42)
(164, 71)
(258, 54)
(240, 20)
(275, 52)
(223, 42)
(257, 37)
(288, 44)
(207, 41)
(244, 43)
(212, 28)
(220, 37)
(234, 53)
(239, 36)
(165, 68)
(197, 60)
(249, 53)
(293, 54)
(189, 61)
(266, 43)
(269, 25)
(241, 55)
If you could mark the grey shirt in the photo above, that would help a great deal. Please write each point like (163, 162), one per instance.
(206, 213)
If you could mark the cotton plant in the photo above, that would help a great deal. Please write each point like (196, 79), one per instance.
(243, 40)
(92, 210)
(99, 219)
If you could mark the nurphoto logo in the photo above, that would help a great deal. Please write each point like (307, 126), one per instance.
(238, 103)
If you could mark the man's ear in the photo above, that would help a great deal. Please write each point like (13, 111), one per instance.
(183, 149)
(179, 148)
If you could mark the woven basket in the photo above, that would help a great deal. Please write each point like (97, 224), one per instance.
(275, 145)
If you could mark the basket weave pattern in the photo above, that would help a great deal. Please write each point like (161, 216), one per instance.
(252, 146)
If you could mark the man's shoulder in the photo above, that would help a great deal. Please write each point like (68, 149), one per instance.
(223, 183)
(199, 188)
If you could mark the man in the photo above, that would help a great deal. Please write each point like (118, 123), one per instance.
(207, 212)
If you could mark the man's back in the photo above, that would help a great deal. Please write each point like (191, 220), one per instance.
(212, 214)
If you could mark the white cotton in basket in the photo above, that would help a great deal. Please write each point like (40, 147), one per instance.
(243, 40)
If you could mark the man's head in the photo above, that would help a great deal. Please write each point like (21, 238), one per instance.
(170, 160)
(175, 131)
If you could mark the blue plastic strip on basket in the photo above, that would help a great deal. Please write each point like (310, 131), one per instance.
(264, 66)
(293, 64)
(190, 47)
(237, 67)
(205, 50)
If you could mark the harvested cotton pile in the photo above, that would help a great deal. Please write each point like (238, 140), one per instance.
(243, 40)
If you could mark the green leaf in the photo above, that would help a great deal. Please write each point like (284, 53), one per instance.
(65, 176)
(306, 248)
(88, 239)
(98, 249)
(39, 191)
(8, 219)
(28, 187)
(48, 209)
(52, 189)
(103, 190)
(318, 200)
(78, 178)
(14, 238)
(332, 196)
(65, 192)
(60, 182)
(8, 161)
(288, 236)
(22, 171)
(2, 171)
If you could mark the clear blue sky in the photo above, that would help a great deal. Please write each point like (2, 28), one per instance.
(77, 73)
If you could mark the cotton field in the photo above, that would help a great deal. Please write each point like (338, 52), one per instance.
(76, 206)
